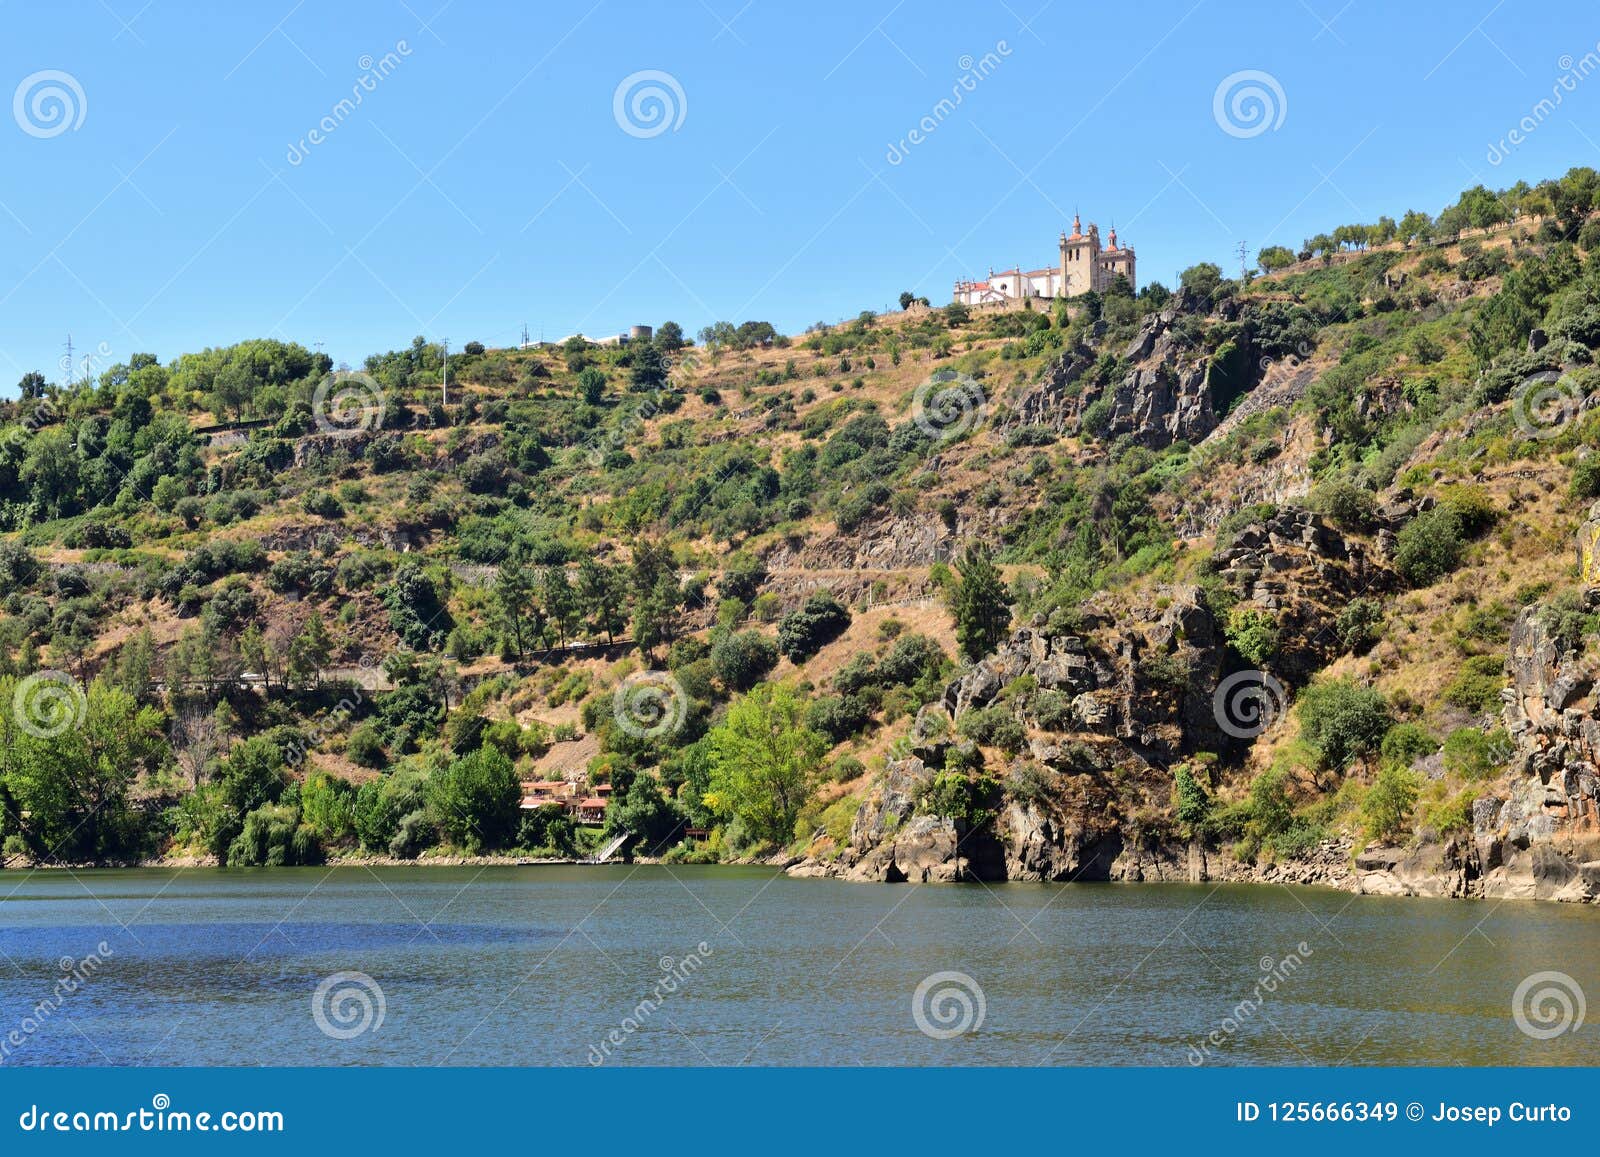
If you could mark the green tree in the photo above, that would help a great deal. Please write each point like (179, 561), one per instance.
(1274, 257)
(980, 604)
(516, 606)
(601, 597)
(1389, 802)
(474, 801)
(1341, 720)
(764, 762)
(820, 620)
(309, 652)
(591, 385)
(68, 761)
(741, 659)
(1253, 633)
(1429, 546)
(560, 602)
(1190, 801)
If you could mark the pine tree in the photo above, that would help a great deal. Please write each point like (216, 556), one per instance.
(514, 600)
(980, 605)
(600, 596)
(559, 601)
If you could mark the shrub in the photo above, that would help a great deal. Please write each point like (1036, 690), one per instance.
(804, 632)
(1472, 754)
(1430, 546)
(1341, 720)
(1190, 801)
(838, 716)
(1096, 419)
(1357, 624)
(323, 504)
(993, 727)
(1586, 477)
(1253, 633)
(274, 837)
(414, 833)
(1387, 808)
(741, 659)
(1405, 743)
(1567, 621)
(1451, 815)
(1348, 506)
(955, 795)
(1476, 686)
(364, 748)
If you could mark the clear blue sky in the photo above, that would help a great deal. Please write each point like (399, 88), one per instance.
(485, 181)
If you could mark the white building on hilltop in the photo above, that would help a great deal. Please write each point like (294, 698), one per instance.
(1084, 265)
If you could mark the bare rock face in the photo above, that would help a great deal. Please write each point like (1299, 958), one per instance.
(892, 543)
(1302, 571)
(1041, 846)
(1162, 404)
(1534, 837)
(1052, 403)
(890, 804)
(926, 851)
(1165, 398)
(891, 844)
(1143, 673)
(1589, 547)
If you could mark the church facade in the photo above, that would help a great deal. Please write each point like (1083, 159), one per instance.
(1084, 265)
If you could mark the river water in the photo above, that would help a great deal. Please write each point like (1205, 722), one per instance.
(713, 966)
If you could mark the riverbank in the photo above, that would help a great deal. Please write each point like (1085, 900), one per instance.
(927, 850)
(1447, 870)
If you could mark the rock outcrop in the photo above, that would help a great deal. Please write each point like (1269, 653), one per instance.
(1165, 398)
(1303, 572)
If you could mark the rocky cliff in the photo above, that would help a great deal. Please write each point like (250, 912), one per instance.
(1112, 707)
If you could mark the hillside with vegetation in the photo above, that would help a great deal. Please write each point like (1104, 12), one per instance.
(1278, 577)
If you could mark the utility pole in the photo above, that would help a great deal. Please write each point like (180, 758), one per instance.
(1244, 270)
(72, 374)
(447, 371)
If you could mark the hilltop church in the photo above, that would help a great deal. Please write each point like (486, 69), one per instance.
(1084, 266)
